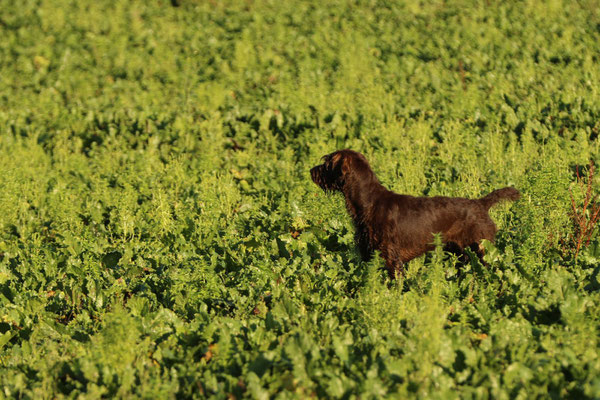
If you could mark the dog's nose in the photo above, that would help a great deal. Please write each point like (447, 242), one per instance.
(313, 173)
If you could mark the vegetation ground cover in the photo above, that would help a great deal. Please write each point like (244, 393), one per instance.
(160, 236)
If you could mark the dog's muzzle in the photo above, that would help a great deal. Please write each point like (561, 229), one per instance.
(315, 175)
(322, 177)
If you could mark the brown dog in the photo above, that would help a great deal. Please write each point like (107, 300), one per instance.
(401, 227)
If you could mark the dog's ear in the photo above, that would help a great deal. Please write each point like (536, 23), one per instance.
(335, 158)
(341, 163)
(345, 165)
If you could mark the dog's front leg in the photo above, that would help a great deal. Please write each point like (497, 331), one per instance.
(394, 268)
(362, 242)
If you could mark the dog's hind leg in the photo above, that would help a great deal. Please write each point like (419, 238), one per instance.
(394, 266)
(479, 251)
(455, 249)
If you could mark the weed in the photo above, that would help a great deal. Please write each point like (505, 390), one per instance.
(584, 213)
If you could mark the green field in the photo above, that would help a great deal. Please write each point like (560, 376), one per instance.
(160, 236)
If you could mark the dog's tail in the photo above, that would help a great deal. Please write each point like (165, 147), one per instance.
(507, 193)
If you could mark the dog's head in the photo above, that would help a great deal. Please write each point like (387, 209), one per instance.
(334, 172)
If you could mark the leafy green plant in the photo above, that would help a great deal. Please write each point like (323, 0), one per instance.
(585, 215)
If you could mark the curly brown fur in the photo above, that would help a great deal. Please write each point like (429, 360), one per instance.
(401, 227)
